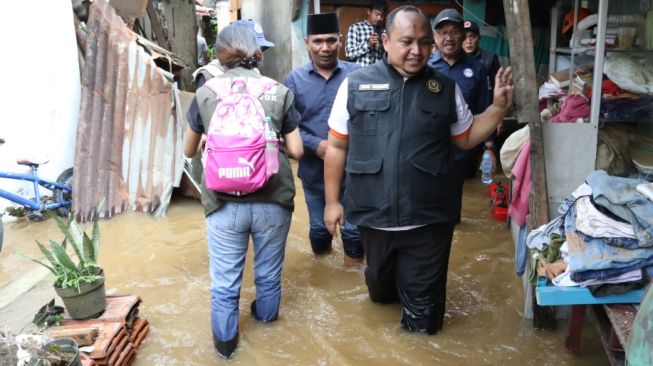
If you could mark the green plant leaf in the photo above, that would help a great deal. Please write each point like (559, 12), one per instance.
(65, 228)
(37, 261)
(78, 243)
(62, 257)
(48, 255)
(89, 249)
(73, 233)
(95, 235)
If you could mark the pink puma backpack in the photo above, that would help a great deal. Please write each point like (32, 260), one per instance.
(242, 149)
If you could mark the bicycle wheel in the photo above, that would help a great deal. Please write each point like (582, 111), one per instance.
(61, 195)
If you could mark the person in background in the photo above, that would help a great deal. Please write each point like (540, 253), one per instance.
(202, 50)
(487, 58)
(315, 85)
(263, 215)
(470, 75)
(391, 128)
(363, 44)
(213, 68)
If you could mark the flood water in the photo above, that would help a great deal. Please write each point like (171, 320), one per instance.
(326, 317)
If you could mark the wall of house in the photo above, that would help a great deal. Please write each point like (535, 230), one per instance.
(42, 90)
(181, 28)
(279, 29)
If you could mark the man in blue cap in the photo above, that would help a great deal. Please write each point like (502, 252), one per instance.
(213, 68)
(315, 85)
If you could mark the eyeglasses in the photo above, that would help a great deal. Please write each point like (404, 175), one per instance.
(452, 34)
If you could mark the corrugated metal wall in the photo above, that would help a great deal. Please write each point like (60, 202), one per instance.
(129, 149)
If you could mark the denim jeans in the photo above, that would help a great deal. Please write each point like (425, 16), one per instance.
(319, 235)
(597, 256)
(229, 230)
(619, 195)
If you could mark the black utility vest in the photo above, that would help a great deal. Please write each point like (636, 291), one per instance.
(398, 162)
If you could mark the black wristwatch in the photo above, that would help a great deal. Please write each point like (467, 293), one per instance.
(485, 147)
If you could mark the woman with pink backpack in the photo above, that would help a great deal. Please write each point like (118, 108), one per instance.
(248, 187)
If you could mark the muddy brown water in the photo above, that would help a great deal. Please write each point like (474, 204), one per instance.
(326, 317)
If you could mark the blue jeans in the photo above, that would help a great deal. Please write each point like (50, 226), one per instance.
(319, 235)
(229, 230)
(618, 195)
(598, 256)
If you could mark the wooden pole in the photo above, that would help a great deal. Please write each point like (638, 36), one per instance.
(523, 64)
(234, 5)
(518, 30)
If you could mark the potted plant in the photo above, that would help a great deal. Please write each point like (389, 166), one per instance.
(30, 350)
(80, 285)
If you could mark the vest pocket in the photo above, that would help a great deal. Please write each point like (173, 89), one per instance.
(371, 105)
(430, 182)
(364, 184)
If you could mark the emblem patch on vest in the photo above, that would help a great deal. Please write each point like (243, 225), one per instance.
(373, 87)
(433, 85)
(468, 72)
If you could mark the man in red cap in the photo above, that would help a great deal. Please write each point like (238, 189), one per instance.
(471, 47)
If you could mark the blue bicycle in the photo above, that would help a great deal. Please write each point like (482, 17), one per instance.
(61, 193)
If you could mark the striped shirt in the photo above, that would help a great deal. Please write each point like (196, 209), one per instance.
(356, 47)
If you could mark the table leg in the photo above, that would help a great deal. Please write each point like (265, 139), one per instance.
(572, 343)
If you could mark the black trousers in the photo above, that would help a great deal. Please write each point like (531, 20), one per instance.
(410, 267)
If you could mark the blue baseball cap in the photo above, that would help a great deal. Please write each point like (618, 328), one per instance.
(256, 27)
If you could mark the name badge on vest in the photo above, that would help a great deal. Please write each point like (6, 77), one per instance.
(433, 85)
(373, 87)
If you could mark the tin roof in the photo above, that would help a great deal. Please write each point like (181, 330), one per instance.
(129, 135)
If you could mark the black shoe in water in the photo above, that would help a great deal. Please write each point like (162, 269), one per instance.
(225, 349)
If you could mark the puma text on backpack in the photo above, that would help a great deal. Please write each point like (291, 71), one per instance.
(238, 136)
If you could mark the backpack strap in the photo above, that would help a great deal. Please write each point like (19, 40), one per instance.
(221, 86)
(258, 87)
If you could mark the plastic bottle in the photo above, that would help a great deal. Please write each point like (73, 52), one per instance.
(271, 148)
(486, 169)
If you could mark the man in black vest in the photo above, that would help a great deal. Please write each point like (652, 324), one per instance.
(391, 128)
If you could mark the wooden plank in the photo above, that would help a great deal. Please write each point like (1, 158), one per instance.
(156, 25)
(526, 101)
(575, 330)
(234, 5)
(621, 316)
(83, 336)
(522, 60)
(604, 328)
(549, 295)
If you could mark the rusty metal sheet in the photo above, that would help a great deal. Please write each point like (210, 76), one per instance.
(129, 149)
(130, 8)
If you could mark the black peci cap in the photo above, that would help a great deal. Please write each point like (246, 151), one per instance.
(324, 23)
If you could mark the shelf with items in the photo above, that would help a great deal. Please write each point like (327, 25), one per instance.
(591, 51)
(596, 111)
(613, 30)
